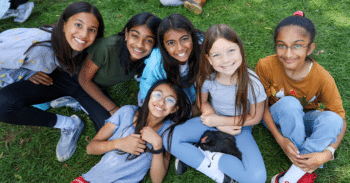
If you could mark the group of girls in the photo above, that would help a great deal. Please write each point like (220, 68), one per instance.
(184, 68)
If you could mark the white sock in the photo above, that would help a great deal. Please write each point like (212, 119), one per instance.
(210, 167)
(292, 175)
(64, 122)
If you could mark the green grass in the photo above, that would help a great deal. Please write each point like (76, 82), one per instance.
(27, 154)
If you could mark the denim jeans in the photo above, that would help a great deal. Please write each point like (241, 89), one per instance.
(312, 131)
(250, 169)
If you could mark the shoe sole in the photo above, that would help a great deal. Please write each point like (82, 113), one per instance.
(180, 170)
(193, 7)
(72, 151)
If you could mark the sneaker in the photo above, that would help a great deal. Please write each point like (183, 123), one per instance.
(24, 11)
(180, 167)
(193, 6)
(277, 177)
(228, 179)
(214, 157)
(307, 178)
(68, 142)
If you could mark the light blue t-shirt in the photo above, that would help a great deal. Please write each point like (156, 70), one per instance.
(114, 167)
(223, 97)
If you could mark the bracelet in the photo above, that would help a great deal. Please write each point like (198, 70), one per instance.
(157, 151)
(113, 108)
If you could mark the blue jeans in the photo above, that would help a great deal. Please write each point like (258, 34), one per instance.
(250, 169)
(312, 131)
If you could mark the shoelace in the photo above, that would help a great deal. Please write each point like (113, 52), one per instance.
(65, 133)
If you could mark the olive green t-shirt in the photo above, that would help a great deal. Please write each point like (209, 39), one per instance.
(105, 53)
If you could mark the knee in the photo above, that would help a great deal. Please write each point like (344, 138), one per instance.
(331, 121)
(257, 176)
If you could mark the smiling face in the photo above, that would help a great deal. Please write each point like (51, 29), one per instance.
(162, 101)
(293, 46)
(178, 44)
(139, 41)
(225, 56)
(81, 30)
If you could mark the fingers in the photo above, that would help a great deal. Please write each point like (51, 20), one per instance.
(41, 78)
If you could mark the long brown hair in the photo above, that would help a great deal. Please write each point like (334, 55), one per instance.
(205, 69)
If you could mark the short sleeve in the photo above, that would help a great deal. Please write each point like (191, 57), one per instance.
(258, 88)
(98, 52)
(263, 73)
(206, 86)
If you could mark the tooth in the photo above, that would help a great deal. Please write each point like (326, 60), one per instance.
(79, 41)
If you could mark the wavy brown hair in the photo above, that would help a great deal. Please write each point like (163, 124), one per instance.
(205, 69)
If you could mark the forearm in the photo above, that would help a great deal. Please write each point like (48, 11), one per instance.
(271, 124)
(206, 108)
(95, 92)
(98, 147)
(159, 167)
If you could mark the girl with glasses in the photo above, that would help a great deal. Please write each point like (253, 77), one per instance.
(295, 85)
(131, 139)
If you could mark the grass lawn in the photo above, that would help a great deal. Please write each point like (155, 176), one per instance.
(27, 154)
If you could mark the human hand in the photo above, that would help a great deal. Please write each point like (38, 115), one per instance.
(41, 78)
(152, 137)
(133, 144)
(310, 162)
(209, 119)
(232, 130)
(289, 149)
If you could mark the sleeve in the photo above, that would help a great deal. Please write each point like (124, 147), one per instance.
(205, 86)
(116, 117)
(41, 58)
(259, 90)
(330, 96)
(98, 52)
(152, 72)
(261, 71)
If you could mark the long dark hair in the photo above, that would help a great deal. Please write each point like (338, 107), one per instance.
(145, 18)
(244, 82)
(60, 46)
(179, 22)
(179, 117)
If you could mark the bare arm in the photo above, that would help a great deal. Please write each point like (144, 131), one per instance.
(160, 163)
(210, 119)
(100, 144)
(204, 106)
(86, 75)
(159, 167)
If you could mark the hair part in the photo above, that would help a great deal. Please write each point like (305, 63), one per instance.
(152, 22)
(179, 22)
(181, 115)
(299, 21)
(214, 33)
